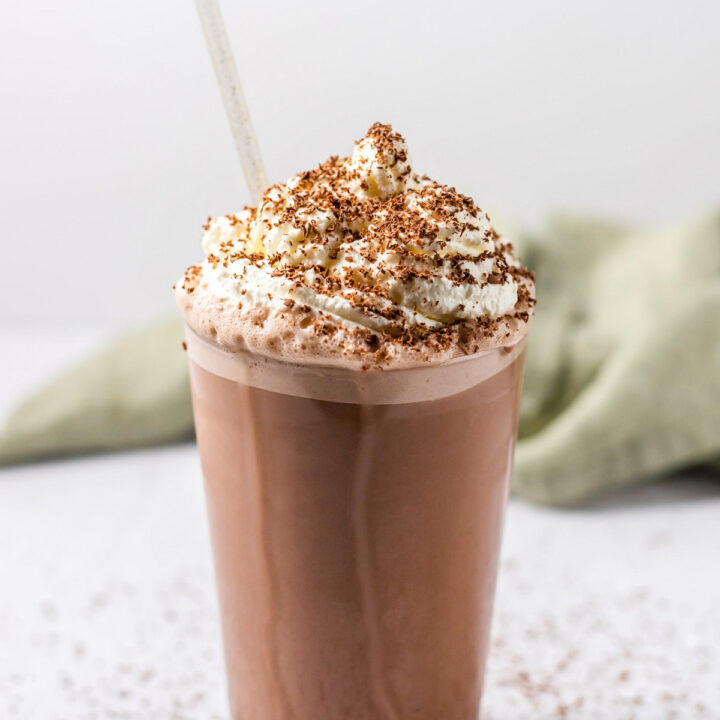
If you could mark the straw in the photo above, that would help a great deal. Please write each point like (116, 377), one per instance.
(233, 97)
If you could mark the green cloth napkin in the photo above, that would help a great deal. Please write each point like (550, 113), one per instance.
(134, 393)
(622, 376)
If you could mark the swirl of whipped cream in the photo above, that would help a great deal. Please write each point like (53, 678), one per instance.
(358, 261)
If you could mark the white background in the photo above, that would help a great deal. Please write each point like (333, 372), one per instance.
(114, 147)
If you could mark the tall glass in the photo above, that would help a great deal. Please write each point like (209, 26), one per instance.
(356, 520)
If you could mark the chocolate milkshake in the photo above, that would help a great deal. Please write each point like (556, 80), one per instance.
(356, 346)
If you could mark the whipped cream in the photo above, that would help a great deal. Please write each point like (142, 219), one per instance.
(359, 260)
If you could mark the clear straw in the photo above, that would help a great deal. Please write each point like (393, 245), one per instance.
(233, 97)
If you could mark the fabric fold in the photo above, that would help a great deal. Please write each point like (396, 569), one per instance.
(133, 393)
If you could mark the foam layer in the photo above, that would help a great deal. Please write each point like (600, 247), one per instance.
(359, 262)
(345, 385)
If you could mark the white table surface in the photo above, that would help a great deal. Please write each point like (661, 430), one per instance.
(107, 607)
